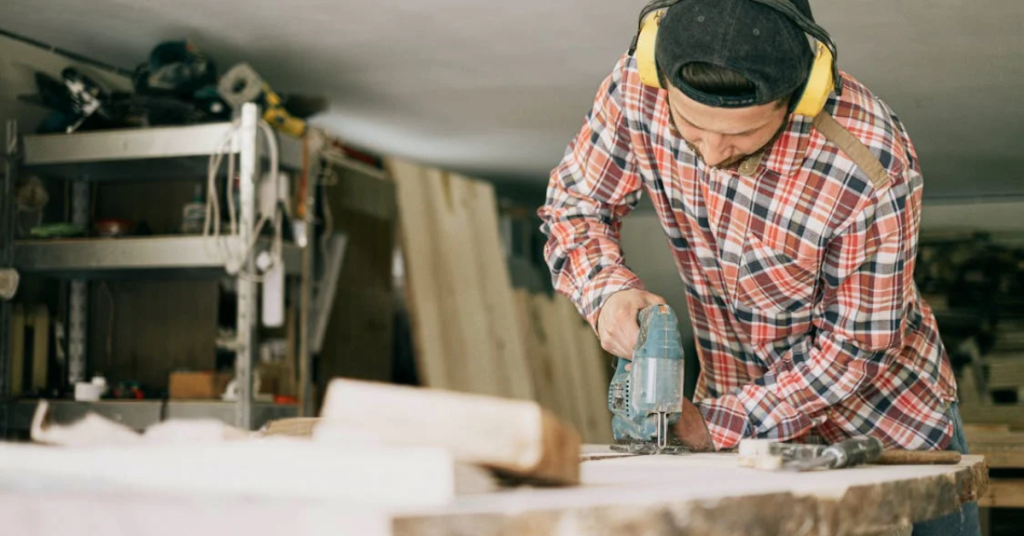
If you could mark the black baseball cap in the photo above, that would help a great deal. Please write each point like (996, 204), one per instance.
(754, 40)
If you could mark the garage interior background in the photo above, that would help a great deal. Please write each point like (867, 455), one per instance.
(412, 81)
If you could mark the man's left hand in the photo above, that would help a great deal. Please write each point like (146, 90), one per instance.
(692, 430)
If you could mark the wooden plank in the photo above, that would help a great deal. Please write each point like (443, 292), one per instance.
(1010, 415)
(568, 322)
(535, 337)
(498, 299)
(1004, 493)
(470, 325)
(594, 367)
(515, 437)
(1005, 371)
(465, 329)
(1002, 448)
(427, 288)
(563, 363)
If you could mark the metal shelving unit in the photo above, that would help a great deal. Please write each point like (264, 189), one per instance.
(112, 257)
(141, 414)
(159, 154)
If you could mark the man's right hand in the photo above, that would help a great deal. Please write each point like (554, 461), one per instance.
(617, 323)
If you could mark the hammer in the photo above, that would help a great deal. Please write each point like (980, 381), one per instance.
(769, 455)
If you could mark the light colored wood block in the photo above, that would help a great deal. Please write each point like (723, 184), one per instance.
(515, 437)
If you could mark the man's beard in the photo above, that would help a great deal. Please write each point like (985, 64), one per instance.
(736, 160)
(726, 164)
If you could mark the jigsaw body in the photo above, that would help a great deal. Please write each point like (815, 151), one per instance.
(646, 400)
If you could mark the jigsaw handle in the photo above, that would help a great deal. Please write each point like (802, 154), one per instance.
(658, 361)
(645, 398)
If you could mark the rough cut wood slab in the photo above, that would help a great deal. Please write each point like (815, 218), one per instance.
(706, 495)
(709, 495)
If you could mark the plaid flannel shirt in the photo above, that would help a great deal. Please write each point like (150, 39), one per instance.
(799, 273)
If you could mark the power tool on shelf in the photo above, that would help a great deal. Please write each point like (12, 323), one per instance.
(241, 84)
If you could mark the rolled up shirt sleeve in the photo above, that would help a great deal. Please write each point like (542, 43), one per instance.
(593, 187)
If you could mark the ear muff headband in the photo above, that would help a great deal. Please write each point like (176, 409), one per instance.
(822, 79)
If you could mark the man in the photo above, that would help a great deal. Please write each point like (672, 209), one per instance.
(797, 255)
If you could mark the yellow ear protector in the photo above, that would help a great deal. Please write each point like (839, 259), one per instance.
(822, 79)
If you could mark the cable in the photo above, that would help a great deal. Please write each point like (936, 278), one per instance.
(213, 167)
(212, 224)
(328, 177)
(276, 248)
(228, 192)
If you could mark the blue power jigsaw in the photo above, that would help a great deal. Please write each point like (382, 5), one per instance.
(646, 400)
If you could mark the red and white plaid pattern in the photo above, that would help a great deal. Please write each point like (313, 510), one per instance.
(800, 282)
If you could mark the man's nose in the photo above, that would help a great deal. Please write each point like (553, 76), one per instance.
(715, 149)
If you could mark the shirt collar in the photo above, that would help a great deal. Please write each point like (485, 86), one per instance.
(789, 150)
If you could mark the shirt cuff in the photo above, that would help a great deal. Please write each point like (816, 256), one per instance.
(727, 420)
(596, 292)
(753, 411)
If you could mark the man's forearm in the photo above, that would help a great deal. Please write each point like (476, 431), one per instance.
(786, 402)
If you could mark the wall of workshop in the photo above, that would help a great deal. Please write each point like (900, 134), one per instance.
(139, 329)
(992, 216)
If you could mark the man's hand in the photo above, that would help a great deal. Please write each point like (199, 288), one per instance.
(617, 324)
(692, 430)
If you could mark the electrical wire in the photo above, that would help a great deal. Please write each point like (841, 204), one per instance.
(328, 178)
(213, 217)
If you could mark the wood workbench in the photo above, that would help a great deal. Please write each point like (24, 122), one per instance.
(706, 494)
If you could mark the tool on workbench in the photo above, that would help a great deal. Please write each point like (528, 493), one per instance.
(646, 399)
(770, 455)
(241, 84)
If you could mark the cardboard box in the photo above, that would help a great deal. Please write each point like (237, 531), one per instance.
(198, 385)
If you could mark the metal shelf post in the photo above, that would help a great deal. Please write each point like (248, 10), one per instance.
(7, 226)
(78, 301)
(246, 287)
(306, 292)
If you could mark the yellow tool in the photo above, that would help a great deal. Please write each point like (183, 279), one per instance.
(241, 85)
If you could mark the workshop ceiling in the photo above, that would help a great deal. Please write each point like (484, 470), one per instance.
(497, 89)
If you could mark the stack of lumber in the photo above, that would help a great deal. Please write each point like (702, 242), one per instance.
(471, 332)
(1003, 450)
(570, 370)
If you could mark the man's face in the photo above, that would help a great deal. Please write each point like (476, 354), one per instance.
(724, 136)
